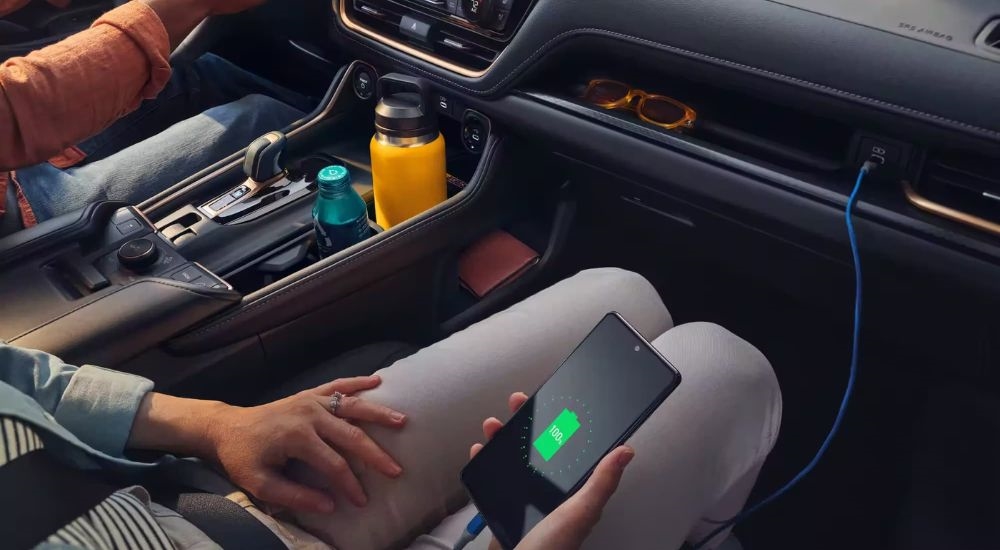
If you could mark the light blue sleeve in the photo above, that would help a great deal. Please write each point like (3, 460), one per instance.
(97, 405)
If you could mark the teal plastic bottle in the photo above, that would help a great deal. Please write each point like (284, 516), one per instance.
(340, 216)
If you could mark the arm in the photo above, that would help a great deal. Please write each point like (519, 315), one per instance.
(253, 445)
(57, 96)
(97, 405)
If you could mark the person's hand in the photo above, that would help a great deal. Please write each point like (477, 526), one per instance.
(253, 445)
(568, 525)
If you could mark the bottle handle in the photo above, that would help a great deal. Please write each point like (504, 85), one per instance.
(396, 82)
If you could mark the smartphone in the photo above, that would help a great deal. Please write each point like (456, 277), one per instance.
(593, 402)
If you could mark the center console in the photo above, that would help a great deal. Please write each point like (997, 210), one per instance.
(229, 259)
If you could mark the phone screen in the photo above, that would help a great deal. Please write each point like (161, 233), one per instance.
(603, 391)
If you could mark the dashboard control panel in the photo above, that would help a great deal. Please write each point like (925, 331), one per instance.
(464, 36)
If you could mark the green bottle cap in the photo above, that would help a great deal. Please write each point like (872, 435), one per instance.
(334, 177)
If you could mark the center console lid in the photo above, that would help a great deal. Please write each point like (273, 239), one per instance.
(101, 288)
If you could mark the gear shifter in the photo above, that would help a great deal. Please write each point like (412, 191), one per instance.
(262, 166)
(262, 163)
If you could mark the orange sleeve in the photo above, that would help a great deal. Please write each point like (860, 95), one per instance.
(60, 95)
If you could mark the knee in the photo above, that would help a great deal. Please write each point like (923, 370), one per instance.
(625, 292)
(719, 367)
(258, 112)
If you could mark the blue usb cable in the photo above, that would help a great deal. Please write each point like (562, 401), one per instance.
(477, 524)
(851, 201)
(472, 530)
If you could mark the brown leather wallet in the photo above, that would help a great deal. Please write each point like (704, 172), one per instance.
(493, 261)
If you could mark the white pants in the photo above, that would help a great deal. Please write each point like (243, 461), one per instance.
(697, 456)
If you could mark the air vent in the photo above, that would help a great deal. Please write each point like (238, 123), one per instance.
(966, 182)
(451, 41)
(989, 39)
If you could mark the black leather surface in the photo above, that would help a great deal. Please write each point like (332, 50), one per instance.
(125, 322)
(825, 55)
(56, 232)
(351, 270)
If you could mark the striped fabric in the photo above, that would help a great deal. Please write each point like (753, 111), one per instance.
(121, 522)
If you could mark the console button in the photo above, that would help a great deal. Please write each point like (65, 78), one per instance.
(129, 226)
(364, 83)
(482, 12)
(239, 191)
(500, 21)
(189, 274)
(415, 28)
(138, 254)
(475, 130)
(223, 202)
(444, 104)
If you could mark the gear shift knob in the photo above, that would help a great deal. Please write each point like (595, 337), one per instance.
(263, 159)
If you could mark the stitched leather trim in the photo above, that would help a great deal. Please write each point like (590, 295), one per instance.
(163, 282)
(485, 170)
(830, 90)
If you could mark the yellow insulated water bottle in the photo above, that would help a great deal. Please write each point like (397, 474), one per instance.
(408, 157)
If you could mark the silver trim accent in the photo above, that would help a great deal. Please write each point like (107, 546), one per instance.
(454, 44)
(311, 54)
(993, 48)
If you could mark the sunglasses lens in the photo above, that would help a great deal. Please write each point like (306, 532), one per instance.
(606, 92)
(661, 111)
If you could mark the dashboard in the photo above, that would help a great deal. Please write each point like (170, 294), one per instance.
(802, 91)
(951, 83)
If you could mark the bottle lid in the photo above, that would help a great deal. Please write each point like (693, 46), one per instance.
(334, 178)
(404, 115)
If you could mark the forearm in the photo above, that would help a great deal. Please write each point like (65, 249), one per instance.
(69, 91)
(179, 17)
(183, 427)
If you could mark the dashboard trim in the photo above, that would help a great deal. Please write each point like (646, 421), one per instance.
(353, 25)
(927, 205)
(887, 106)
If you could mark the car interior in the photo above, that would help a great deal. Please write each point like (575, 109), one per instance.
(736, 216)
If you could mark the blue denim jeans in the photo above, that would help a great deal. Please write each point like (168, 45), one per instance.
(209, 110)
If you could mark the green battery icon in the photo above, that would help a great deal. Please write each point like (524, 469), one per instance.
(557, 434)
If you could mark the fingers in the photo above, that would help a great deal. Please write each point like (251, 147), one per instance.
(516, 400)
(317, 454)
(356, 408)
(348, 385)
(275, 489)
(353, 440)
(490, 427)
(588, 503)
